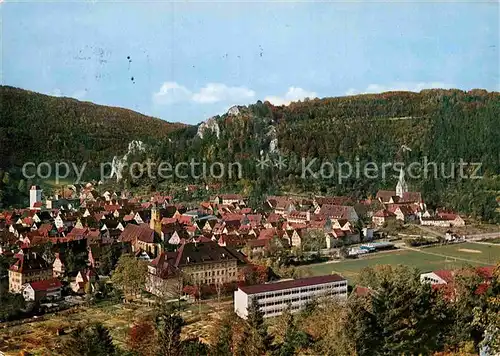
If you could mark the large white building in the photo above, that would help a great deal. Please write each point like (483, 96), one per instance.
(274, 298)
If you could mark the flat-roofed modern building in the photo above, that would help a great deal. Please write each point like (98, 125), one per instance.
(274, 298)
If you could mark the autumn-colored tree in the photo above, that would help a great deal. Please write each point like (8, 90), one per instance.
(327, 325)
(255, 274)
(193, 291)
(140, 338)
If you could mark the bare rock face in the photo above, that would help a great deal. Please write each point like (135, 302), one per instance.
(118, 162)
(233, 111)
(272, 135)
(273, 145)
(209, 125)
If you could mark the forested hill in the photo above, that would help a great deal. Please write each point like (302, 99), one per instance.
(442, 125)
(37, 127)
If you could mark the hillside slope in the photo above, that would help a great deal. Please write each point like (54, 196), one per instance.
(37, 127)
(442, 126)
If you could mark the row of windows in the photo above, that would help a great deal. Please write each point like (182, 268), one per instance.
(285, 301)
(282, 308)
(212, 266)
(299, 291)
(215, 280)
(214, 273)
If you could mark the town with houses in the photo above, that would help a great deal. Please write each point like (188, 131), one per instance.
(210, 244)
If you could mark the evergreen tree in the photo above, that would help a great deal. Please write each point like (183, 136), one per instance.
(90, 340)
(224, 339)
(194, 348)
(169, 328)
(405, 317)
(256, 338)
(292, 338)
(22, 186)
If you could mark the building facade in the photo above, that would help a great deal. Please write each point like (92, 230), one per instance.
(204, 263)
(49, 290)
(274, 298)
(30, 267)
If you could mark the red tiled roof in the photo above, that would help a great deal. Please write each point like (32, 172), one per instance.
(362, 291)
(413, 197)
(273, 218)
(185, 219)
(111, 208)
(167, 221)
(302, 282)
(266, 234)
(383, 214)
(447, 216)
(134, 232)
(232, 217)
(338, 232)
(53, 283)
(336, 211)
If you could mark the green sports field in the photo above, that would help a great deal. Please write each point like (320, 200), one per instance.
(425, 259)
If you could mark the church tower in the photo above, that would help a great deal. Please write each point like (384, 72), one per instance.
(401, 187)
(35, 195)
(154, 222)
(154, 217)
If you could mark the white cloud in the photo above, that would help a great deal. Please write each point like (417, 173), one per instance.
(172, 92)
(215, 92)
(415, 87)
(293, 94)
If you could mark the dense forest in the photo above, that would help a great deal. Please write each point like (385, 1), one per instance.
(37, 127)
(41, 128)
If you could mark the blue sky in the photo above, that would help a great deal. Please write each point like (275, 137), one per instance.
(191, 60)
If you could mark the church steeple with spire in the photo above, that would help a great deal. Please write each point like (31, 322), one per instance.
(401, 187)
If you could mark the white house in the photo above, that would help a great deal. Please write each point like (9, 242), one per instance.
(443, 220)
(42, 290)
(274, 298)
(437, 277)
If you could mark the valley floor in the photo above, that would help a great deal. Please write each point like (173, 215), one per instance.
(426, 259)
